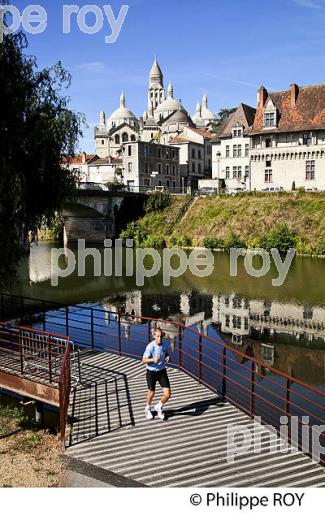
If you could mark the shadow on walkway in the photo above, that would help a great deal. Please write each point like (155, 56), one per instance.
(194, 409)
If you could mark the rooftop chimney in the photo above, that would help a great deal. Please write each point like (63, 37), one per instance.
(294, 91)
(262, 97)
(83, 158)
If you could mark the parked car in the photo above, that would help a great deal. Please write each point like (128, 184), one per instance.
(91, 186)
(234, 191)
(205, 190)
(272, 189)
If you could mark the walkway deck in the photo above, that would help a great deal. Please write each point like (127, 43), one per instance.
(187, 449)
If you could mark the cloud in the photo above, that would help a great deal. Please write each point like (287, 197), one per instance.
(238, 81)
(310, 4)
(91, 67)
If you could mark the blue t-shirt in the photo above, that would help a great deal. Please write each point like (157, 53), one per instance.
(153, 351)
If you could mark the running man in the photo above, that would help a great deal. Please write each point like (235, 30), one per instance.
(155, 357)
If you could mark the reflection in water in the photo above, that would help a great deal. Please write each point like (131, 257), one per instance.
(283, 327)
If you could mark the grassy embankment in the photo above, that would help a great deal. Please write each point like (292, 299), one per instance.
(30, 457)
(252, 220)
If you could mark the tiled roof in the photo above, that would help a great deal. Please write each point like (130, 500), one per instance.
(298, 109)
(244, 115)
(183, 140)
(107, 160)
(204, 133)
(79, 159)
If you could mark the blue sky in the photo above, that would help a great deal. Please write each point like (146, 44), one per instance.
(226, 48)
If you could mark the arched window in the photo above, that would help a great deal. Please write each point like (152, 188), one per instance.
(117, 139)
(125, 137)
(132, 137)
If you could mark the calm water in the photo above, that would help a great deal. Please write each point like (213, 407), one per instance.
(289, 321)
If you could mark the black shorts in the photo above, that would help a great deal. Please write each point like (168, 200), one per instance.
(161, 377)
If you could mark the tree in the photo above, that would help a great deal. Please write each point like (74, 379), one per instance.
(222, 115)
(36, 130)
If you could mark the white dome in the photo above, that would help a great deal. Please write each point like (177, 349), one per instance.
(208, 114)
(122, 115)
(169, 105)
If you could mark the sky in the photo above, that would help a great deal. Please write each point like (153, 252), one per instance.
(227, 49)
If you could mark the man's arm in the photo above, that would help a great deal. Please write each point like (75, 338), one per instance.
(147, 359)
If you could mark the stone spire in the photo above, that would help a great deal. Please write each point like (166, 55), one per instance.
(122, 100)
(145, 116)
(205, 101)
(102, 119)
(156, 76)
(198, 109)
(170, 90)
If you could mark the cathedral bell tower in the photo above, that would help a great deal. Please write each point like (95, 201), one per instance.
(156, 92)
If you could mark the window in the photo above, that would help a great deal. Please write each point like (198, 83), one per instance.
(227, 151)
(234, 172)
(193, 167)
(125, 137)
(310, 170)
(199, 167)
(268, 164)
(159, 153)
(173, 154)
(193, 153)
(167, 169)
(129, 167)
(307, 138)
(117, 139)
(146, 151)
(129, 151)
(235, 150)
(199, 154)
(308, 313)
(159, 168)
(237, 132)
(268, 142)
(269, 119)
(132, 137)
(268, 177)
(146, 167)
(246, 171)
(103, 142)
(247, 150)
(239, 172)
(227, 172)
(239, 150)
(167, 153)
(174, 170)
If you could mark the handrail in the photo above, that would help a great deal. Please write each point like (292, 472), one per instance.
(210, 361)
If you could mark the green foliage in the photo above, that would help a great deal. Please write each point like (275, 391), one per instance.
(36, 130)
(154, 241)
(180, 241)
(214, 243)
(233, 241)
(157, 201)
(282, 238)
(55, 231)
(222, 115)
(134, 232)
(115, 185)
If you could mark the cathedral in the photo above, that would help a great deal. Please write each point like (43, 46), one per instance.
(164, 119)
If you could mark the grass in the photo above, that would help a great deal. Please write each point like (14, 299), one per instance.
(249, 216)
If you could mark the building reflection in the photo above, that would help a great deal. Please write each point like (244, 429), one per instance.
(286, 336)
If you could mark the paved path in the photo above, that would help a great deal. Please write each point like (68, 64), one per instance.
(187, 449)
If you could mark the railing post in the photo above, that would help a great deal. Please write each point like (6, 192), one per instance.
(21, 353)
(224, 371)
(92, 327)
(200, 358)
(149, 331)
(252, 391)
(67, 320)
(50, 358)
(180, 347)
(119, 335)
(287, 401)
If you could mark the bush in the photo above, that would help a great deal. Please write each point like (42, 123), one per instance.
(233, 241)
(134, 232)
(214, 243)
(154, 241)
(115, 185)
(282, 238)
(180, 241)
(157, 201)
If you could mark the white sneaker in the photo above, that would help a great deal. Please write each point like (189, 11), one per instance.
(159, 411)
(148, 413)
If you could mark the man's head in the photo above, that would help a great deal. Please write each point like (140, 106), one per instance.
(158, 335)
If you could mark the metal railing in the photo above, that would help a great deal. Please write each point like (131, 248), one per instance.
(253, 386)
(43, 357)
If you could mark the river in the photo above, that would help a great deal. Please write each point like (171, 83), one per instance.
(288, 321)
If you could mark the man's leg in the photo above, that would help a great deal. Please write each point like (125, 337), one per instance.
(150, 396)
(164, 382)
(166, 396)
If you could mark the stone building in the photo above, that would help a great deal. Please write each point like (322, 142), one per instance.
(288, 139)
(231, 150)
(147, 164)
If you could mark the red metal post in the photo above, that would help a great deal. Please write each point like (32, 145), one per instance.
(149, 331)
(180, 347)
(50, 358)
(21, 353)
(224, 371)
(92, 328)
(287, 401)
(200, 358)
(252, 390)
